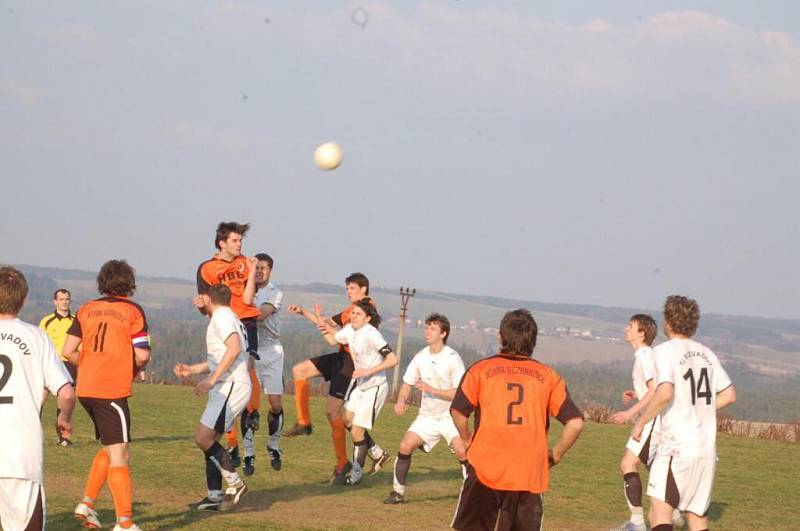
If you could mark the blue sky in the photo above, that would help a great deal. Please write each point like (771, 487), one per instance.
(608, 153)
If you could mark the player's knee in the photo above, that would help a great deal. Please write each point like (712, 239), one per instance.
(357, 433)
(406, 447)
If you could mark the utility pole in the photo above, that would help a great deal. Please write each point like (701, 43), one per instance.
(405, 294)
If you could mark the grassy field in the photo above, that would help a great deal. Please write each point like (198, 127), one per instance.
(756, 481)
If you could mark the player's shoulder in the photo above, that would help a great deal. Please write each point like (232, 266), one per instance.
(123, 302)
(25, 332)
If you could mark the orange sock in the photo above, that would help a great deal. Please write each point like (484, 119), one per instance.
(301, 401)
(97, 477)
(339, 441)
(255, 394)
(119, 480)
(233, 437)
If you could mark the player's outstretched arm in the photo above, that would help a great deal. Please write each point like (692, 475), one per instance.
(726, 397)
(572, 429)
(662, 396)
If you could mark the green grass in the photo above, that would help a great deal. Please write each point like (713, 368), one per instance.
(756, 484)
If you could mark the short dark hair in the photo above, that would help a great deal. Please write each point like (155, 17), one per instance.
(371, 311)
(13, 290)
(116, 278)
(518, 333)
(225, 228)
(682, 314)
(220, 294)
(61, 290)
(442, 322)
(264, 257)
(360, 279)
(647, 325)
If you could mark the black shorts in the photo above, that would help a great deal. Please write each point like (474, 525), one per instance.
(337, 368)
(251, 327)
(480, 507)
(112, 419)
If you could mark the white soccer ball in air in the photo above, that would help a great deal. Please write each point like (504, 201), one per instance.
(328, 156)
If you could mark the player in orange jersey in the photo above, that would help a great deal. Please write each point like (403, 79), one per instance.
(229, 267)
(513, 396)
(114, 345)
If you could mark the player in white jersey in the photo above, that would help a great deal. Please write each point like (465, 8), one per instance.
(28, 364)
(640, 333)
(371, 355)
(269, 366)
(228, 387)
(435, 370)
(690, 386)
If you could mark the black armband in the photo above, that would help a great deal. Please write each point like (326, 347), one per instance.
(385, 350)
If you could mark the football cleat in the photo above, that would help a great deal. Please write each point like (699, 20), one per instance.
(394, 498)
(233, 453)
(298, 429)
(235, 492)
(340, 476)
(249, 465)
(275, 458)
(354, 479)
(66, 443)
(88, 516)
(378, 463)
(208, 504)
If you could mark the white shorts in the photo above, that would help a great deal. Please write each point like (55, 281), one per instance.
(683, 482)
(270, 369)
(644, 448)
(431, 431)
(365, 405)
(21, 504)
(225, 402)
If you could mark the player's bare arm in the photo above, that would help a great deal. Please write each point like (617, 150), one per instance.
(400, 406)
(621, 417)
(662, 396)
(445, 394)
(462, 425)
(388, 362)
(141, 356)
(182, 370)
(231, 353)
(249, 292)
(726, 397)
(572, 429)
(70, 349)
(265, 311)
(628, 395)
(66, 405)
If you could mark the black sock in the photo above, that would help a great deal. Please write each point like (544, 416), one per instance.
(633, 488)
(218, 453)
(401, 467)
(360, 452)
(274, 421)
(662, 527)
(368, 440)
(213, 476)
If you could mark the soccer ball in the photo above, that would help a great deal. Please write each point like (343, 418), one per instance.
(328, 156)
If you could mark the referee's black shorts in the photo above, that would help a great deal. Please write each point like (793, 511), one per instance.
(480, 507)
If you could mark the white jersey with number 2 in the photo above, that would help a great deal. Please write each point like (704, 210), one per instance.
(689, 423)
(28, 365)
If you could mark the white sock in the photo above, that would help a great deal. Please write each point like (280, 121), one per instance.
(376, 451)
(215, 495)
(249, 443)
(637, 516)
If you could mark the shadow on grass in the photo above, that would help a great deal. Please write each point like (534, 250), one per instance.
(715, 510)
(162, 438)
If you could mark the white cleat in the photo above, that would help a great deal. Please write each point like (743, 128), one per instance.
(88, 516)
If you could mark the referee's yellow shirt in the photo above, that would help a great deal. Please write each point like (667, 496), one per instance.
(56, 326)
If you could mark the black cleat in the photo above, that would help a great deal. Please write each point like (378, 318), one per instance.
(249, 465)
(207, 504)
(275, 459)
(340, 476)
(233, 453)
(394, 498)
(298, 429)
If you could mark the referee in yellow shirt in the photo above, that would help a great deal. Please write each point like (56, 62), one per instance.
(55, 325)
